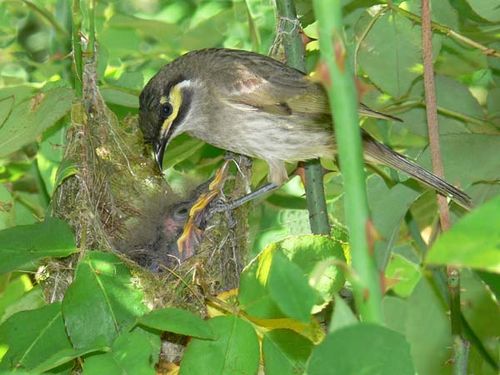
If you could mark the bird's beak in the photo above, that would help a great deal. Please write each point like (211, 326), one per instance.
(159, 150)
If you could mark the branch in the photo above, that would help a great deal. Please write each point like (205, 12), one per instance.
(453, 274)
(344, 105)
(294, 49)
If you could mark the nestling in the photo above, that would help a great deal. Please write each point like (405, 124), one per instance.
(254, 105)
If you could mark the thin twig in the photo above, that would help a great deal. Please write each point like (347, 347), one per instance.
(453, 274)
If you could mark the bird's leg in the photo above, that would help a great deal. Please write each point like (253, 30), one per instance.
(191, 234)
(235, 203)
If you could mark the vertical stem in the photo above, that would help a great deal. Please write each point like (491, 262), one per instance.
(91, 49)
(294, 50)
(453, 274)
(343, 101)
(77, 47)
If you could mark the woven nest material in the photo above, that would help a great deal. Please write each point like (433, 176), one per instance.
(117, 201)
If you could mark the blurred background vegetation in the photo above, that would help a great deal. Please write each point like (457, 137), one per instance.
(136, 38)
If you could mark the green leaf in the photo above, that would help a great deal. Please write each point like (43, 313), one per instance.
(120, 97)
(493, 103)
(442, 12)
(488, 9)
(403, 273)
(391, 53)
(18, 295)
(395, 313)
(388, 222)
(67, 168)
(290, 289)
(101, 302)
(468, 152)
(492, 280)
(33, 336)
(342, 352)
(180, 149)
(7, 211)
(461, 102)
(64, 356)
(49, 157)
(6, 105)
(480, 310)
(121, 35)
(472, 242)
(285, 352)
(29, 119)
(428, 330)
(134, 352)
(236, 351)
(178, 321)
(306, 252)
(342, 315)
(24, 245)
(254, 295)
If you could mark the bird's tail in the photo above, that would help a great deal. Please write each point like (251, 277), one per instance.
(379, 153)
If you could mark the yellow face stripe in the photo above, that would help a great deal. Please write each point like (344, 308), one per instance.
(175, 100)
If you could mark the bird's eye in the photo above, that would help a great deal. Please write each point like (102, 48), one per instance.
(166, 110)
(181, 213)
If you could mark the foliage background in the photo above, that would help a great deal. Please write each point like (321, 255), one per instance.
(136, 38)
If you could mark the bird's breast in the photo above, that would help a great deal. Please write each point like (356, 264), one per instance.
(266, 136)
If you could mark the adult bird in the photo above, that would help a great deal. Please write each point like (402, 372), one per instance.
(253, 105)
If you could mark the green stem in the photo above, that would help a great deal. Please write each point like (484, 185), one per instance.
(77, 47)
(294, 49)
(441, 110)
(342, 94)
(91, 48)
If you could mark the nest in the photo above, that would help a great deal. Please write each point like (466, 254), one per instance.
(117, 201)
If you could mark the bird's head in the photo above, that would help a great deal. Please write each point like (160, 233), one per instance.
(163, 108)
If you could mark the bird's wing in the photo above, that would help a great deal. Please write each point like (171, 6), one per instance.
(275, 89)
(280, 90)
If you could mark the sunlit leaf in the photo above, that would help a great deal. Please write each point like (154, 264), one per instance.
(472, 242)
(24, 245)
(224, 356)
(179, 321)
(285, 352)
(391, 53)
(30, 118)
(33, 336)
(341, 353)
(133, 352)
(101, 302)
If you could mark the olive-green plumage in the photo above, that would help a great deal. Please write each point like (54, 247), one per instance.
(254, 105)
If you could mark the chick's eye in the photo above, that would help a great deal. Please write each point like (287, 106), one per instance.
(181, 213)
(166, 110)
